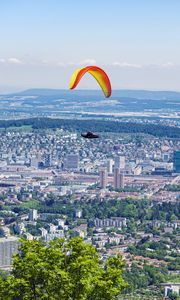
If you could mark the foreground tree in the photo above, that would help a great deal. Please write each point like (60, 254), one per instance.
(62, 270)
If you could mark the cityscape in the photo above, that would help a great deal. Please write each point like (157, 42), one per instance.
(119, 193)
(90, 150)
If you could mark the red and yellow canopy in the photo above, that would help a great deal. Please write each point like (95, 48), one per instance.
(97, 73)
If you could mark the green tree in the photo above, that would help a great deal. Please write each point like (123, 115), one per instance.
(66, 270)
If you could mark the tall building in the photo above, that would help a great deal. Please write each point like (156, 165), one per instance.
(8, 246)
(72, 162)
(176, 161)
(35, 162)
(110, 164)
(118, 179)
(119, 162)
(121, 180)
(47, 160)
(33, 214)
(103, 177)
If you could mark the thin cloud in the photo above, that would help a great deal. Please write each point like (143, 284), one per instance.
(14, 60)
(61, 64)
(126, 65)
(87, 61)
(165, 65)
(168, 65)
(45, 62)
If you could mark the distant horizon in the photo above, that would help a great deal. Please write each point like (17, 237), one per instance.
(19, 90)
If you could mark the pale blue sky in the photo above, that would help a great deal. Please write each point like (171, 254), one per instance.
(136, 41)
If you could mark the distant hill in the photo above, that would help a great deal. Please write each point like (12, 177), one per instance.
(138, 94)
(122, 103)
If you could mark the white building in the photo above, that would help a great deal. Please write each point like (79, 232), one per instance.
(33, 215)
(171, 287)
(61, 222)
(116, 239)
(110, 164)
(52, 236)
(52, 228)
(43, 232)
(29, 236)
(8, 246)
(35, 162)
(112, 222)
(79, 213)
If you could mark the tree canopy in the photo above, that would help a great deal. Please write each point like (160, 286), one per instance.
(66, 270)
(76, 125)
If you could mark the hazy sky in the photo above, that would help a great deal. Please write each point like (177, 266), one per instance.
(136, 41)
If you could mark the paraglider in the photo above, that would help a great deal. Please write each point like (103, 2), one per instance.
(89, 135)
(99, 74)
(102, 79)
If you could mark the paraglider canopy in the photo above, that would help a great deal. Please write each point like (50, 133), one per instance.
(101, 77)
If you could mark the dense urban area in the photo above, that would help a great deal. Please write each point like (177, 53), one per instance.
(120, 193)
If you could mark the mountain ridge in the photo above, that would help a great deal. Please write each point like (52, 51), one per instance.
(137, 94)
